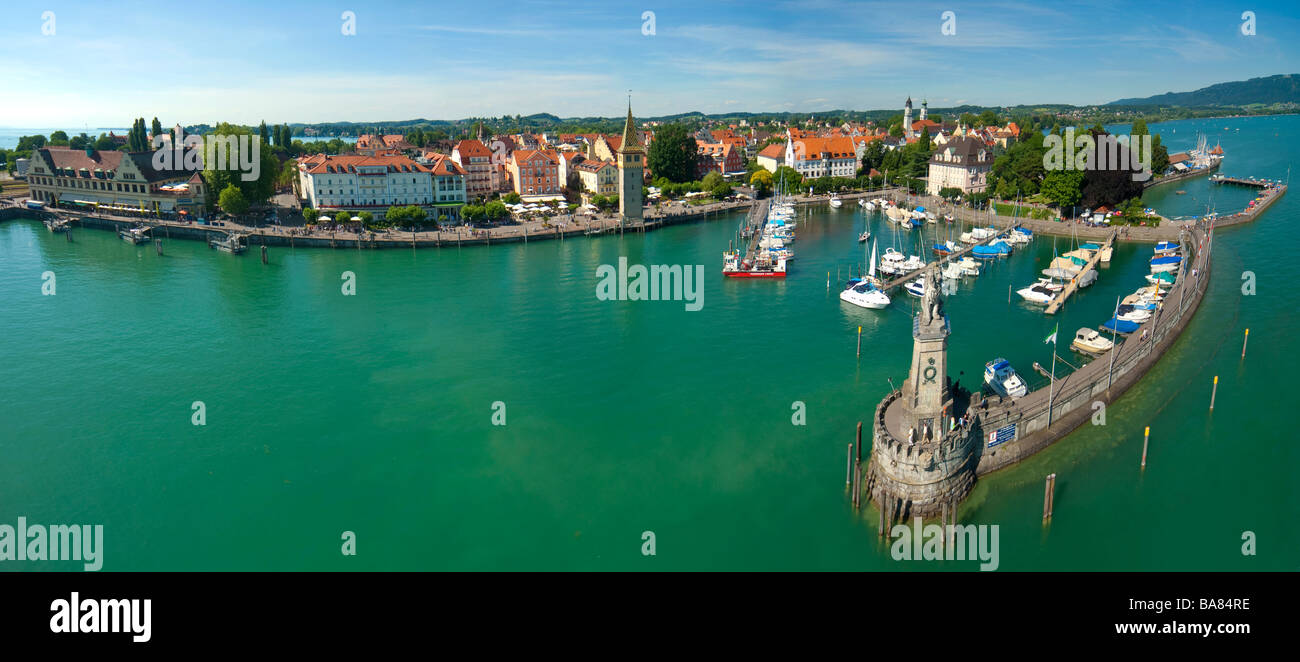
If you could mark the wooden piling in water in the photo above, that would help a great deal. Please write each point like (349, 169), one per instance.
(264, 257)
(859, 356)
(157, 244)
(1214, 391)
(880, 525)
(1048, 493)
(1146, 436)
(1243, 344)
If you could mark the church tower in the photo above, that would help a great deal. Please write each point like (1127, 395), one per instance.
(924, 103)
(631, 166)
(923, 454)
(907, 118)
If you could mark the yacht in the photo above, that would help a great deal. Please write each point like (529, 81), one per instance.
(1002, 378)
(862, 238)
(836, 202)
(953, 271)
(1039, 293)
(57, 225)
(1167, 248)
(867, 205)
(863, 293)
(892, 262)
(1089, 341)
(945, 248)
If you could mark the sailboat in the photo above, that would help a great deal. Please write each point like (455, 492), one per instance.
(864, 292)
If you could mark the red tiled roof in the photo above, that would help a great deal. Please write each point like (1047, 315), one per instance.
(773, 151)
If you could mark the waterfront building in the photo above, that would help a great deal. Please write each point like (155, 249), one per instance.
(535, 172)
(374, 183)
(962, 163)
(597, 177)
(631, 172)
(721, 158)
(772, 157)
(89, 178)
(475, 158)
(822, 157)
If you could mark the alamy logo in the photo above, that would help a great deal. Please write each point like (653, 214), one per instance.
(954, 542)
(95, 616)
(178, 151)
(1104, 152)
(659, 282)
(57, 542)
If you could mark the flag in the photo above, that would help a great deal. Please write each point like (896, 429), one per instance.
(1052, 338)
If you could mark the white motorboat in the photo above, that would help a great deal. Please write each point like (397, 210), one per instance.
(916, 287)
(912, 263)
(892, 262)
(969, 266)
(836, 202)
(953, 271)
(862, 238)
(1088, 341)
(865, 295)
(1002, 378)
(1087, 278)
(1038, 293)
(1131, 313)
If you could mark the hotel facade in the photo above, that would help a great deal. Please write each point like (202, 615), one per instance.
(112, 181)
(375, 183)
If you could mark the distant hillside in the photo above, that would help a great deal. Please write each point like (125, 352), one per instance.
(1282, 88)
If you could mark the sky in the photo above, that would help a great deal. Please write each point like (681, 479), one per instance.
(94, 64)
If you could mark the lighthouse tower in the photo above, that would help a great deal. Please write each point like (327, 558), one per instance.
(924, 454)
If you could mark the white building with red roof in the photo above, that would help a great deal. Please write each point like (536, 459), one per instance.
(356, 182)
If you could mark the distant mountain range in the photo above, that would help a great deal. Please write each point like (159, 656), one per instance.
(1282, 88)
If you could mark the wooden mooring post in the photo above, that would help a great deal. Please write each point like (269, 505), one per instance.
(1214, 391)
(1243, 344)
(1049, 493)
(264, 257)
(157, 244)
(1146, 437)
(848, 466)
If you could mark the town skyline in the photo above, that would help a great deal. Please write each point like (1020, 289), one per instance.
(294, 63)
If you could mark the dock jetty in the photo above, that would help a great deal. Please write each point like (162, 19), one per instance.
(1073, 285)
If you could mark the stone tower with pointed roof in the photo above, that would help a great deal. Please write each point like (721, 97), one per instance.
(631, 166)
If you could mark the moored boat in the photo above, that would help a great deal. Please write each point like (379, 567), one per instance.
(1165, 263)
(135, 235)
(1002, 378)
(1088, 341)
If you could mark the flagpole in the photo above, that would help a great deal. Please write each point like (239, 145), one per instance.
(1051, 383)
(1114, 319)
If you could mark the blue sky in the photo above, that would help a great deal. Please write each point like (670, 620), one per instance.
(288, 61)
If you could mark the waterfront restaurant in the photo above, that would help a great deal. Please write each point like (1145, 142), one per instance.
(112, 181)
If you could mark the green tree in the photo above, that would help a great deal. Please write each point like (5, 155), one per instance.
(157, 127)
(268, 167)
(343, 217)
(59, 136)
(309, 215)
(264, 133)
(761, 180)
(950, 193)
(672, 154)
(711, 181)
(511, 198)
(896, 130)
(232, 200)
(1063, 187)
